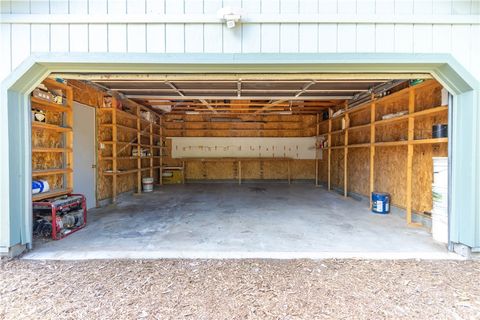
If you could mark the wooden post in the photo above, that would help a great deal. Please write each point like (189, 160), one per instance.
(329, 161)
(69, 138)
(372, 148)
(139, 150)
(411, 136)
(316, 151)
(114, 150)
(160, 171)
(289, 171)
(345, 154)
(151, 142)
(239, 172)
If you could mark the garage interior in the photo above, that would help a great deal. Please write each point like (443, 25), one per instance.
(244, 163)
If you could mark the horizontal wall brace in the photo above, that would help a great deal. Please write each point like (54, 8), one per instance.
(250, 18)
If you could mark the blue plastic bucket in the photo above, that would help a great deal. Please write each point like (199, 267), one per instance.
(380, 202)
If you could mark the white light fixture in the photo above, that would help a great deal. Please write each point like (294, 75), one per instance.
(230, 15)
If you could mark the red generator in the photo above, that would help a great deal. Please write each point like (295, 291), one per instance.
(59, 217)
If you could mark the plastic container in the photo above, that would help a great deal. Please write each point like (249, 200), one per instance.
(440, 171)
(147, 184)
(439, 131)
(380, 202)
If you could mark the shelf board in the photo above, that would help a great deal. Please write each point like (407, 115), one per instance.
(51, 150)
(430, 111)
(51, 194)
(120, 172)
(48, 106)
(363, 126)
(391, 143)
(37, 173)
(337, 131)
(359, 145)
(47, 126)
(171, 168)
(395, 119)
(430, 141)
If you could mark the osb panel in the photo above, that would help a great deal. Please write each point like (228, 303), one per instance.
(44, 160)
(428, 97)
(104, 187)
(360, 117)
(392, 105)
(337, 165)
(337, 123)
(423, 126)
(358, 170)
(323, 167)
(220, 170)
(252, 170)
(54, 181)
(338, 139)
(391, 172)
(303, 169)
(195, 170)
(275, 169)
(86, 94)
(359, 136)
(46, 139)
(396, 131)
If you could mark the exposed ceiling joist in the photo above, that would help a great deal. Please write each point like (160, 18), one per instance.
(198, 97)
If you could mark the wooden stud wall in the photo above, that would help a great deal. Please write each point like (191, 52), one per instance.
(393, 155)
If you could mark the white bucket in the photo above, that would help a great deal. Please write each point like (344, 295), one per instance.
(147, 184)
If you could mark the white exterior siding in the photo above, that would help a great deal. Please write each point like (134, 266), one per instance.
(19, 40)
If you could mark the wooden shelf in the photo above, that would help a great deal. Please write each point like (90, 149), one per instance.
(391, 143)
(51, 150)
(120, 172)
(430, 111)
(359, 145)
(395, 119)
(38, 103)
(38, 173)
(359, 127)
(430, 141)
(51, 194)
(47, 126)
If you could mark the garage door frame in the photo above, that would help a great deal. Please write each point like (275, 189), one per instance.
(15, 130)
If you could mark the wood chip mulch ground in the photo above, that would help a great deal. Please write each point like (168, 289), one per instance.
(239, 289)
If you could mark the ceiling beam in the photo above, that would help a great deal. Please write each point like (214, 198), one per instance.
(205, 103)
(284, 98)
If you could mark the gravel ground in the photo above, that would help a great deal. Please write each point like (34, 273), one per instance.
(239, 289)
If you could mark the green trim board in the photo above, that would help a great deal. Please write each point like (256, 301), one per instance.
(15, 171)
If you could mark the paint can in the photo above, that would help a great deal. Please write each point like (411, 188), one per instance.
(147, 184)
(439, 131)
(380, 202)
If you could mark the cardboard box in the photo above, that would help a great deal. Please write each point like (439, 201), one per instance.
(172, 177)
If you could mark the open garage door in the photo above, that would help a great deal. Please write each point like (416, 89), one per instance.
(264, 164)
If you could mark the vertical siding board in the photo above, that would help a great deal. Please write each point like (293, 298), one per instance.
(97, 6)
(461, 44)
(194, 37)
(59, 7)
(308, 37)
(98, 38)
(212, 6)
(384, 7)
(20, 37)
(475, 50)
(290, 6)
(155, 7)
(251, 34)
(175, 38)
(328, 7)
(347, 6)
(117, 37)
(289, 37)
(78, 38)
(40, 7)
(136, 35)
(117, 7)
(232, 39)
(365, 38)
(365, 6)
(405, 7)
(327, 37)
(136, 6)
(40, 38)
(346, 38)
(20, 6)
(423, 7)
(270, 38)
(156, 38)
(461, 6)
(384, 38)
(59, 38)
(213, 38)
(422, 38)
(404, 38)
(442, 38)
(78, 6)
(5, 50)
(442, 7)
(5, 6)
(308, 6)
(174, 7)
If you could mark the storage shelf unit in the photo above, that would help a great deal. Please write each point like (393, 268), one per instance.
(65, 114)
(144, 138)
(374, 106)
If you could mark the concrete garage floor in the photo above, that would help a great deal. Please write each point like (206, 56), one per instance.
(247, 221)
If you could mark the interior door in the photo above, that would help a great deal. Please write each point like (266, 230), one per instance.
(84, 179)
